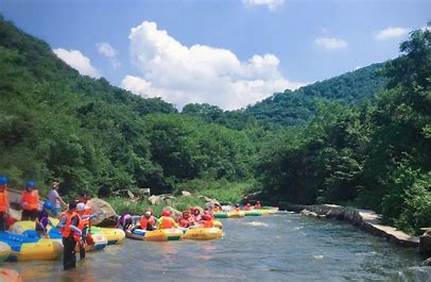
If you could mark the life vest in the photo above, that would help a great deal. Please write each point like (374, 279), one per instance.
(83, 221)
(4, 201)
(258, 206)
(186, 222)
(31, 198)
(145, 221)
(167, 222)
(208, 223)
(66, 230)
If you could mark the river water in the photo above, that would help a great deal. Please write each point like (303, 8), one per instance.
(270, 248)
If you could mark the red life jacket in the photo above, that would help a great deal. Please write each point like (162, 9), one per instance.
(208, 223)
(32, 199)
(145, 221)
(4, 201)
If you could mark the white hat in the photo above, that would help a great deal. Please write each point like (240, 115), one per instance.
(80, 206)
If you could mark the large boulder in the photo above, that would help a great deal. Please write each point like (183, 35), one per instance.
(106, 214)
(154, 200)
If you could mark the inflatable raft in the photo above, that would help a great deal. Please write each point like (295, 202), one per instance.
(26, 248)
(201, 233)
(9, 275)
(25, 228)
(218, 224)
(113, 235)
(231, 214)
(253, 213)
(5, 251)
(172, 234)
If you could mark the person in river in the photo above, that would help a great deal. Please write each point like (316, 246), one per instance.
(217, 208)
(55, 199)
(237, 209)
(166, 221)
(84, 226)
(4, 203)
(148, 221)
(258, 205)
(196, 213)
(69, 224)
(207, 221)
(42, 220)
(247, 206)
(186, 219)
(125, 221)
(30, 201)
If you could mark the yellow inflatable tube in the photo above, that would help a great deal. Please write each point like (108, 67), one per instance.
(201, 233)
(44, 249)
(172, 234)
(113, 235)
(236, 214)
(218, 224)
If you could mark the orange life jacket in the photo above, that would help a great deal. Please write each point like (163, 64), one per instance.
(167, 222)
(66, 230)
(32, 199)
(145, 221)
(207, 223)
(4, 201)
(83, 221)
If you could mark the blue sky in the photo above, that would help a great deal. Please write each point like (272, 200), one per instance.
(225, 52)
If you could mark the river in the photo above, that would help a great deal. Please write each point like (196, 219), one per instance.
(271, 248)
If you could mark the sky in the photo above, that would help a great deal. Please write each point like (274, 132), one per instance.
(229, 53)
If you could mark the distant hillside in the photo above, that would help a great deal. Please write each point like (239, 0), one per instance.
(296, 107)
(94, 137)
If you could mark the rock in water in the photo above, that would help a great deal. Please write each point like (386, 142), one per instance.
(107, 215)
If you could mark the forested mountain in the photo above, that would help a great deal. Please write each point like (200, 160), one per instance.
(292, 108)
(55, 123)
(376, 155)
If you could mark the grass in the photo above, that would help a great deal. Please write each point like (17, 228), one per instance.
(221, 190)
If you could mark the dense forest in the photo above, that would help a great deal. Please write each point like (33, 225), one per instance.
(362, 138)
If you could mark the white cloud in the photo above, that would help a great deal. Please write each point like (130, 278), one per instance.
(108, 51)
(330, 43)
(271, 4)
(78, 61)
(391, 33)
(200, 73)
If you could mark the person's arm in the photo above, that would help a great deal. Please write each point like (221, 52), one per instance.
(74, 225)
(62, 222)
(60, 199)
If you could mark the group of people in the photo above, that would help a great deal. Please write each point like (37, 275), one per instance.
(188, 218)
(73, 224)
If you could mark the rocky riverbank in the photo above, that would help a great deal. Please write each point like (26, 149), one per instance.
(365, 219)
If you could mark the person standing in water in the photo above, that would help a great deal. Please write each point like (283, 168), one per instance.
(69, 223)
(30, 201)
(55, 199)
(4, 203)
